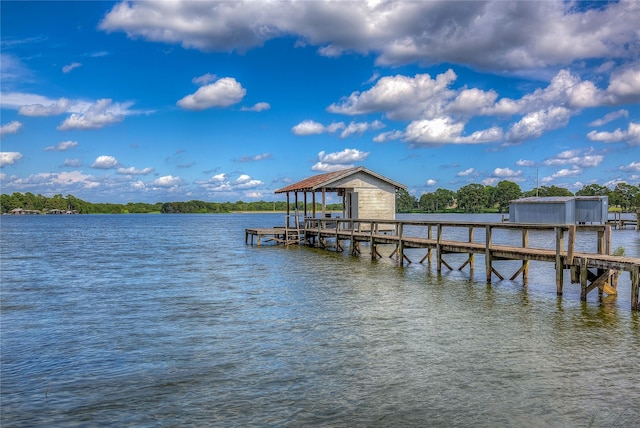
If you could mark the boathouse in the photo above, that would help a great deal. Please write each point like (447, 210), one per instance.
(559, 210)
(365, 194)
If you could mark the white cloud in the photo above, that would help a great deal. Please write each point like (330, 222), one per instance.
(506, 173)
(10, 128)
(223, 93)
(167, 181)
(631, 135)
(633, 166)
(55, 182)
(465, 173)
(105, 162)
(609, 117)
(63, 146)
(563, 173)
(72, 163)
(257, 107)
(9, 158)
(624, 86)
(343, 157)
(445, 130)
(360, 128)
(525, 162)
(484, 35)
(255, 158)
(327, 167)
(388, 136)
(47, 108)
(533, 125)
(246, 182)
(68, 68)
(431, 182)
(308, 127)
(222, 183)
(311, 127)
(133, 171)
(84, 114)
(435, 131)
(576, 157)
(97, 115)
(204, 79)
(401, 97)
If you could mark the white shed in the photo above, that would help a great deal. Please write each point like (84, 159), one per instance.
(559, 210)
(365, 194)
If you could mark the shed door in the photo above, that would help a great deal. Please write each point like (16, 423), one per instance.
(353, 205)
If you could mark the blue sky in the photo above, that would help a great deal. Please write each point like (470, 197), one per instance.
(224, 101)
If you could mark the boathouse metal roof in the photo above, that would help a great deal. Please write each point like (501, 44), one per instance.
(325, 181)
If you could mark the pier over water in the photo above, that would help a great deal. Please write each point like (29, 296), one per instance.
(593, 270)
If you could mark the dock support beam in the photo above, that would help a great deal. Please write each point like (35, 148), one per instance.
(559, 263)
(487, 253)
(635, 288)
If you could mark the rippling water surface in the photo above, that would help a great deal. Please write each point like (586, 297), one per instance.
(171, 320)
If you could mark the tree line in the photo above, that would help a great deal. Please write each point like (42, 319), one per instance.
(477, 198)
(29, 201)
(470, 198)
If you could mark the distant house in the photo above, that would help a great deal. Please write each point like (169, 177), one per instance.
(560, 210)
(365, 194)
(20, 211)
(57, 211)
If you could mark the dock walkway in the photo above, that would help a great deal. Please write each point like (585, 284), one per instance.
(593, 270)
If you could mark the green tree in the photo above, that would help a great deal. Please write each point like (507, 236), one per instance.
(437, 201)
(625, 195)
(405, 202)
(593, 190)
(506, 191)
(545, 191)
(472, 197)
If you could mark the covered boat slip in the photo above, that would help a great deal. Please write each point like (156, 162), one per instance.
(593, 270)
(363, 193)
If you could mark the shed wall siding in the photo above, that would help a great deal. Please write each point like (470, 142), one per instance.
(376, 204)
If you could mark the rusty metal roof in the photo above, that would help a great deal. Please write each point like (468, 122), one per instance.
(320, 181)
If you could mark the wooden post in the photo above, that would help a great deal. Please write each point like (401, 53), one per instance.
(635, 287)
(487, 252)
(604, 247)
(525, 263)
(584, 278)
(305, 204)
(471, 255)
(429, 251)
(313, 203)
(439, 250)
(571, 244)
(288, 209)
(371, 241)
(400, 244)
(559, 264)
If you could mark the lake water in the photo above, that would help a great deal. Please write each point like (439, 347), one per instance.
(171, 320)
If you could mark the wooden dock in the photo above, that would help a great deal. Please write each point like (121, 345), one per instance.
(593, 270)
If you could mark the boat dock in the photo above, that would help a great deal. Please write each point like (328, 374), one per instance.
(592, 270)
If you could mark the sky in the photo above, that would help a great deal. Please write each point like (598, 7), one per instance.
(158, 101)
